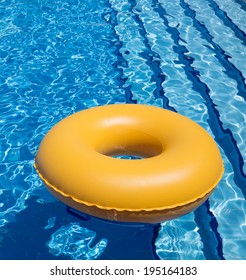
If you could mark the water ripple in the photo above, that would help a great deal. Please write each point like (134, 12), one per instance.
(179, 240)
(59, 58)
(75, 242)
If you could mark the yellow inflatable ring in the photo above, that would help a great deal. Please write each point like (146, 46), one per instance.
(181, 167)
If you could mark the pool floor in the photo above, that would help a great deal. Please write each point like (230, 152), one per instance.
(60, 57)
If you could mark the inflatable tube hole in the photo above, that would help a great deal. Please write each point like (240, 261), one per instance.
(129, 157)
(128, 144)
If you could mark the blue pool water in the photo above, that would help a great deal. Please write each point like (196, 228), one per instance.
(59, 57)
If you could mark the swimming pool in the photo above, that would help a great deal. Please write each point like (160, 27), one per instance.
(59, 57)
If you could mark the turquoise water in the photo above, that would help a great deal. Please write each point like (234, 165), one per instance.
(60, 57)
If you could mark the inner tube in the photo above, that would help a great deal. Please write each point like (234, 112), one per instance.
(179, 166)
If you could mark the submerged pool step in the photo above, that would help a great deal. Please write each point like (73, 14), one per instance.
(178, 46)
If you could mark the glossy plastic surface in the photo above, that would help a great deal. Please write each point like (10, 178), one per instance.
(181, 165)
